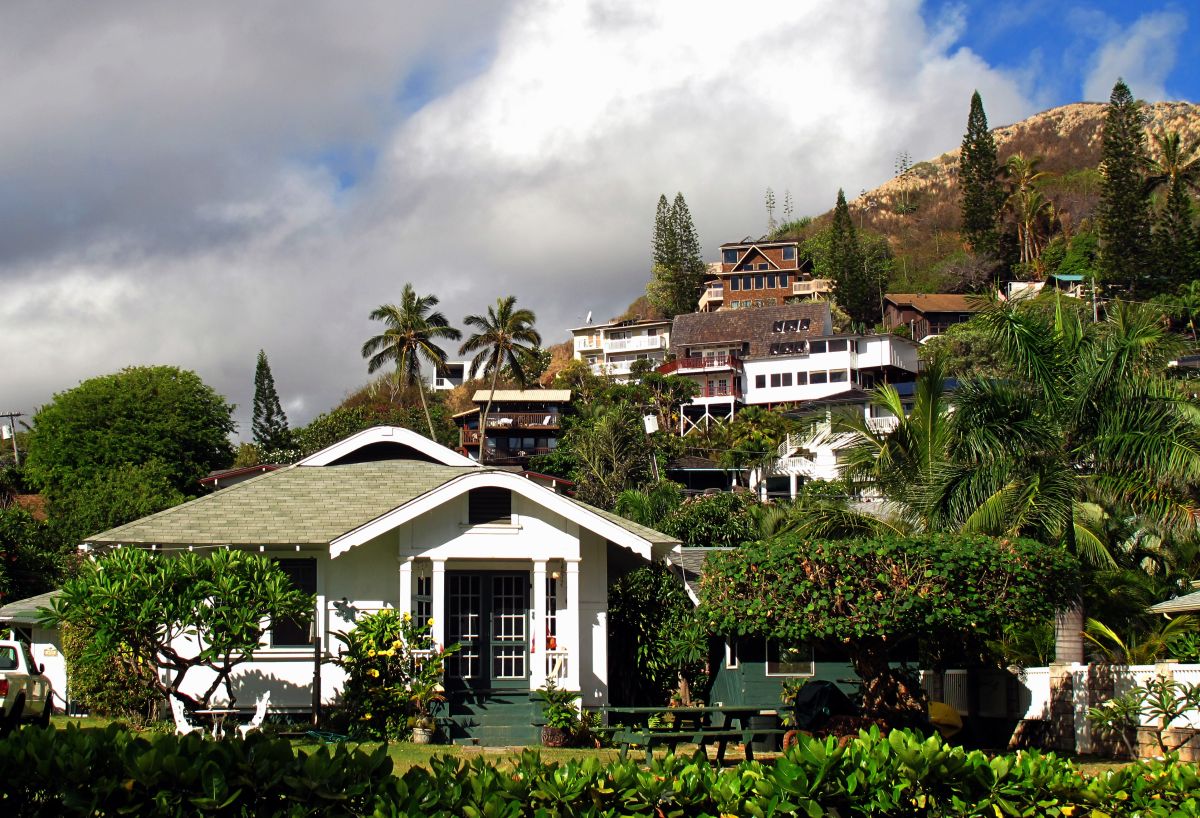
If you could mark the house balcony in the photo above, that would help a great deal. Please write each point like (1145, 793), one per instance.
(712, 299)
(618, 368)
(702, 363)
(591, 342)
(717, 394)
(641, 342)
(812, 288)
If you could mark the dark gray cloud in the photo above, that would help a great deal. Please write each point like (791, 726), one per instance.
(176, 178)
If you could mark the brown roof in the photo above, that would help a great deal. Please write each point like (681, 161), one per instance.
(937, 302)
(754, 326)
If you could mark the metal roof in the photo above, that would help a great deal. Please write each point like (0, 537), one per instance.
(1188, 603)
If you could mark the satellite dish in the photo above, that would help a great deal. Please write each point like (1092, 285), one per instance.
(588, 320)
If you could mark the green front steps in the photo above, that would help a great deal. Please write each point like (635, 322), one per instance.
(493, 718)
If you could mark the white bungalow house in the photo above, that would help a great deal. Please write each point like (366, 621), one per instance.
(513, 572)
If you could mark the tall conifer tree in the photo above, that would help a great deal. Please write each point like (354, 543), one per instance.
(269, 424)
(982, 196)
(678, 266)
(1176, 246)
(1123, 218)
(856, 288)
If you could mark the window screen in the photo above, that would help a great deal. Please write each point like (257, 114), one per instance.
(490, 505)
(291, 633)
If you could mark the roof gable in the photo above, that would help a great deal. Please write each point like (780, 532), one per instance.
(386, 443)
(753, 326)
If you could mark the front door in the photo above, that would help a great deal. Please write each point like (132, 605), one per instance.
(487, 613)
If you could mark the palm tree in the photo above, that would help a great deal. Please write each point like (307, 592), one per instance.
(1087, 416)
(1176, 160)
(504, 339)
(1028, 203)
(409, 338)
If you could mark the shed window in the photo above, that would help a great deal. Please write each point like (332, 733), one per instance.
(783, 660)
(489, 506)
(291, 633)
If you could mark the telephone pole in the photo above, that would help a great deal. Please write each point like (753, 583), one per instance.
(12, 427)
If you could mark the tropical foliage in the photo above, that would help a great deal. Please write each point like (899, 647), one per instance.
(874, 597)
(410, 339)
(178, 613)
(393, 673)
(504, 339)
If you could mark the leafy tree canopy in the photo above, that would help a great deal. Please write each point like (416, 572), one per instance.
(135, 416)
(114, 497)
(873, 595)
(29, 556)
(139, 605)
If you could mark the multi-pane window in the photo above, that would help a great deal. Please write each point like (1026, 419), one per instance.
(551, 613)
(463, 603)
(291, 633)
(423, 599)
(789, 254)
(729, 256)
(781, 379)
(509, 612)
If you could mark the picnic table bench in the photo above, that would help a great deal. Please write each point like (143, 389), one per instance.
(688, 725)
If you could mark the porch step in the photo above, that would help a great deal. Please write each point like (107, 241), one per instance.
(493, 718)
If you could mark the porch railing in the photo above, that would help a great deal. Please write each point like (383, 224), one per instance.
(556, 665)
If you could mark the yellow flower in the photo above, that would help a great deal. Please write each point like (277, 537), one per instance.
(371, 652)
(373, 673)
(366, 716)
(430, 622)
(407, 616)
(399, 643)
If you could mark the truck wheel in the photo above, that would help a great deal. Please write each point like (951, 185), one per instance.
(44, 719)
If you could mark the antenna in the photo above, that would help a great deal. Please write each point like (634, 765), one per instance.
(588, 320)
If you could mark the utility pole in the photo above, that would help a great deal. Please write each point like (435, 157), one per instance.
(12, 426)
(1095, 306)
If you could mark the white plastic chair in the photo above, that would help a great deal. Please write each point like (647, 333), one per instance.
(182, 725)
(260, 713)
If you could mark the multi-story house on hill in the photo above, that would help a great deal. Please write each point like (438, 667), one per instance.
(780, 356)
(928, 314)
(612, 349)
(760, 273)
(521, 423)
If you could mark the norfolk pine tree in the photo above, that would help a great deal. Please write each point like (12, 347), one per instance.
(1124, 213)
(978, 176)
(678, 267)
(269, 424)
(857, 285)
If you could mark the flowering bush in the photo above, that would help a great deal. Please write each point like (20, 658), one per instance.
(394, 674)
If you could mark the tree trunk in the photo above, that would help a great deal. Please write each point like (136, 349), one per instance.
(487, 407)
(886, 694)
(1068, 636)
(425, 406)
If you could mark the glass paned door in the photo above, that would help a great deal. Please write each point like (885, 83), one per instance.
(487, 613)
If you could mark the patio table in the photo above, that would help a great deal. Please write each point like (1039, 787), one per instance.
(218, 715)
(690, 725)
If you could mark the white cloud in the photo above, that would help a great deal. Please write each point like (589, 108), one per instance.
(1143, 55)
(178, 175)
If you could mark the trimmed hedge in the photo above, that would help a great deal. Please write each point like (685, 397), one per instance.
(80, 772)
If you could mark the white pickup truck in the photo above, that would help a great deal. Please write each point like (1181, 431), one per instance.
(22, 680)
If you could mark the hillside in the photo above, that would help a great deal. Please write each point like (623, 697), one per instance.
(919, 211)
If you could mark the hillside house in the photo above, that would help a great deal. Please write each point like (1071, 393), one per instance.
(513, 572)
(522, 423)
(777, 357)
(612, 349)
(928, 314)
(760, 273)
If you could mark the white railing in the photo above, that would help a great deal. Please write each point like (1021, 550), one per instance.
(883, 425)
(589, 342)
(812, 287)
(640, 342)
(556, 665)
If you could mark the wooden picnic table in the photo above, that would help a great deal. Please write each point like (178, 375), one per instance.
(688, 725)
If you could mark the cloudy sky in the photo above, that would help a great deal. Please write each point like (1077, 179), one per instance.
(188, 183)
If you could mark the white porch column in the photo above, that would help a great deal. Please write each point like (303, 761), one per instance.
(568, 627)
(438, 632)
(405, 604)
(792, 485)
(537, 640)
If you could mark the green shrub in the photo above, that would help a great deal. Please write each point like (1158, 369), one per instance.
(115, 685)
(82, 773)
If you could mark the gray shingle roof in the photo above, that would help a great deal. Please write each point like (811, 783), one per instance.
(690, 562)
(301, 504)
(307, 505)
(25, 611)
(753, 326)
